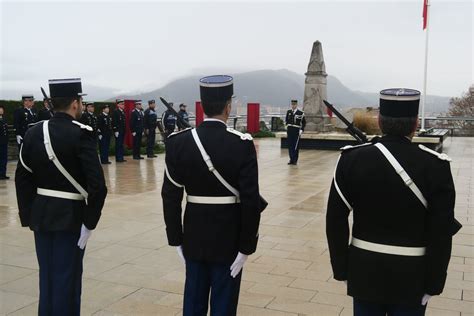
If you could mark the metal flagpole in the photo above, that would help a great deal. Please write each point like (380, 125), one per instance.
(426, 66)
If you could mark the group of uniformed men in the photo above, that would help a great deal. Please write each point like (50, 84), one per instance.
(402, 197)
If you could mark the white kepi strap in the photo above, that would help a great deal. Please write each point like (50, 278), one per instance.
(402, 173)
(52, 156)
(209, 164)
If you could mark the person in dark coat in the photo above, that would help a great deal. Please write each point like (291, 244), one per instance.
(60, 190)
(24, 118)
(104, 130)
(136, 127)
(402, 197)
(220, 227)
(118, 124)
(184, 116)
(150, 122)
(89, 118)
(295, 122)
(169, 122)
(45, 113)
(3, 144)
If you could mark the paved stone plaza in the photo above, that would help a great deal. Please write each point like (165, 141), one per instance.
(130, 270)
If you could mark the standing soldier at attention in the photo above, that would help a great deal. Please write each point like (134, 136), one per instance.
(295, 122)
(150, 121)
(45, 113)
(118, 123)
(104, 129)
(60, 190)
(89, 118)
(402, 197)
(217, 166)
(136, 127)
(169, 122)
(24, 117)
(3, 144)
(184, 115)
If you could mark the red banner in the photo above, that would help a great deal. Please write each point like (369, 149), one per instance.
(199, 113)
(425, 13)
(253, 117)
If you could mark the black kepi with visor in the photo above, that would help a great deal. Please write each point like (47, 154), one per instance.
(217, 88)
(65, 88)
(399, 102)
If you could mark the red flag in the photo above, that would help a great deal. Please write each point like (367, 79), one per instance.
(425, 13)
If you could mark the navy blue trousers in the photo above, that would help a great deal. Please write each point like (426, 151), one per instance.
(293, 143)
(204, 278)
(137, 143)
(150, 142)
(119, 147)
(104, 145)
(60, 273)
(3, 159)
(362, 308)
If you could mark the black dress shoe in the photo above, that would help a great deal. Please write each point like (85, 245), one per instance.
(123, 160)
(109, 162)
(4, 178)
(141, 157)
(152, 156)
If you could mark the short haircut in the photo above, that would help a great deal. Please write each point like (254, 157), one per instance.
(398, 126)
(61, 104)
(214, 108)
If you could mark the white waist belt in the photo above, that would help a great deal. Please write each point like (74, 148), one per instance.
(293, 125)
(60, 194)
(212, 199)
(392, 250)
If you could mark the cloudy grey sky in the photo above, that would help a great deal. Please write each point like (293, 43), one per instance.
(134, 46)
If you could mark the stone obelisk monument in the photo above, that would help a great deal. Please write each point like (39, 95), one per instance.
(315, 90)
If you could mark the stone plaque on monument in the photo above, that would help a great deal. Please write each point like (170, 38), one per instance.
(315, 90)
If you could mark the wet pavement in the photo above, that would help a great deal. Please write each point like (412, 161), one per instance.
(130, 270)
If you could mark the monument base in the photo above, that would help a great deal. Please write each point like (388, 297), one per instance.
(334, 141)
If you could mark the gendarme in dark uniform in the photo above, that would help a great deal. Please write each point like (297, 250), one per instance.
(89, 117)
(169, 121)
(3, 145)
(219, 230)
(295, 122)
(402, 232)
(60, 190)
(136, 128)
(24, 118)
(45, 113)
(150, 123)
(105, 131)
(118, 123)
(184, 116)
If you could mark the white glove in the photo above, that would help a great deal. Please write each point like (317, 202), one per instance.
(179, 249)
(238, 264)
(19, 139)
(134, 133)
(100, 137)
(116, 134)
(301, 132)
(85, 234)
(425, 299)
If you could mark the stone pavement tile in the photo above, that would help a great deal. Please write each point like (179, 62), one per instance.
(171, 300)
(27, 285)
(10, 302)
(244, 310)
(152, 239)
(463, 239)
(17, 236)
(277, 253)
(10, 273)
(98, 295)
(440, 312)
(461, 267)
(254, 299)
(452, 305)
(162, 258)
(266, 278)
(455, 294)
(118, 253)
(297, 264)
(320, 286)
(282, 292)
(28, 310)
(469, 276)
(333, 299)
(460, 260)
(11, 256)
(257, 267)
(122, 230)
(302, 307)
(94, 266)
(319, 272)
(468, 295)
(142, 302)
(459, 284)
(457, 275)
(463, 251)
